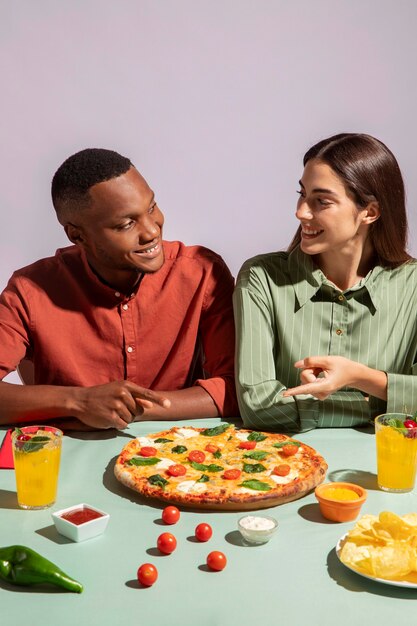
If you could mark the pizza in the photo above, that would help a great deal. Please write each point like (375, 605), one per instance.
(220, 468)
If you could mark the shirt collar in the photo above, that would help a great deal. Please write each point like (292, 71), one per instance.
(309, 279)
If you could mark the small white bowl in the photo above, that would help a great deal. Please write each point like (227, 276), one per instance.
(252, 533)
(83, 531)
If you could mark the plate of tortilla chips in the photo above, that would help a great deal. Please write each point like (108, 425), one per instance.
(382, 548)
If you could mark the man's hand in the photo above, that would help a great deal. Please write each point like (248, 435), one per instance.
(114, 405)
(323, 375)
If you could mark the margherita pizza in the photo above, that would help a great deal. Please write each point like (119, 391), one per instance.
(220, 468)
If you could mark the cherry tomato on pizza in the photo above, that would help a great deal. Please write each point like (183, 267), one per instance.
(147, 451)
(170, 515)
(247, 445)
(147, 574)
(216, 560)
(166, 543)
(211, 447)
(289, 450)
(232, 474)
(177, 470)
(203, 532)
(197, 456)
(281, 470)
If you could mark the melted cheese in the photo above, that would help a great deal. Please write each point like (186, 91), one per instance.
(191, 485)
(187, 433)
(164, 464)
(283, 480)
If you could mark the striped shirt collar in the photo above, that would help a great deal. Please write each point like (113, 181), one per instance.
(309, 279)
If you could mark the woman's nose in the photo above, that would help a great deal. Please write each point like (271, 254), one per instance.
(303, 211)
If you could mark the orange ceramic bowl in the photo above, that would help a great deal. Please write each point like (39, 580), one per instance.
(338, 510)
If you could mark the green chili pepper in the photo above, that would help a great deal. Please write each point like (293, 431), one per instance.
(20, 565)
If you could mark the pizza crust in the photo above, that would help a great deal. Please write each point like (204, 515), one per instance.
(221, 494)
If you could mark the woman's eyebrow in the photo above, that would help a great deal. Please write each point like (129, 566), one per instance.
(319, 189)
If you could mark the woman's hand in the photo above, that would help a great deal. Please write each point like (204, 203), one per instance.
(323, 375)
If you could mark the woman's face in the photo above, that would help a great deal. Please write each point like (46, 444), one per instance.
(329, 218)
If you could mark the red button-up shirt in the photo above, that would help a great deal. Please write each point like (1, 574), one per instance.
(176, 330)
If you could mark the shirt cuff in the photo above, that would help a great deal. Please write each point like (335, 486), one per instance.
(223, 394)
(401, 393)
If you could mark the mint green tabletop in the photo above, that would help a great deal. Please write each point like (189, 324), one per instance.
(294, 579)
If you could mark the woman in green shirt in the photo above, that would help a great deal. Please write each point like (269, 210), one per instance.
(346, 290)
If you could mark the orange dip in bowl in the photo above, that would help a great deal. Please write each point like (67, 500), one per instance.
(341, 493)
(340, 502)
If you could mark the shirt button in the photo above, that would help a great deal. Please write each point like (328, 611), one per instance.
(339, 331)
(125, 307)
(117, 294)
(130, 349)
(341, 298)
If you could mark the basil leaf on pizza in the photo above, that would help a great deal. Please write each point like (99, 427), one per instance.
(217, 430)
(143, 461)
(255, 484)
(253, 468)
(281, 444)
(244, 480)
(256, 437)
(158, 480)
(256, 455)
(206, 468)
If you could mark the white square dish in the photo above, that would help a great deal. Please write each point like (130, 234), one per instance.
(81, 530)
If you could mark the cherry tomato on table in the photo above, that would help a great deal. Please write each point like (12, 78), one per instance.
(203, 532)
(166, 543)
(170, 515)
(147, 574)
(177, 470)
(197, 456)
(216, 560)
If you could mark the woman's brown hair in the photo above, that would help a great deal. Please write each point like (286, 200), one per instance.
(370, 173)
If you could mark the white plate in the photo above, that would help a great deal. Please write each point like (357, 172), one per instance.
(397, 583)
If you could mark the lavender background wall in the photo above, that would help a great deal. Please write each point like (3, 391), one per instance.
(214, 101)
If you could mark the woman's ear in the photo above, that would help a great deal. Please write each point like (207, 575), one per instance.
(371, 213)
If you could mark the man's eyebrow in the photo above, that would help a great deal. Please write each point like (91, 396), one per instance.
(319, 190)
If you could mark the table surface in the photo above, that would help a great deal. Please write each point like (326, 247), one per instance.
(296, 578)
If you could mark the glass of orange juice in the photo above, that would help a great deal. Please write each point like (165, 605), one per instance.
(36, 454)
(396, 451)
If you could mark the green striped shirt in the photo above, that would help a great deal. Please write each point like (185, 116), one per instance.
(286, 310)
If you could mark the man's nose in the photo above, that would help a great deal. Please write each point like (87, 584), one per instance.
(149, 229)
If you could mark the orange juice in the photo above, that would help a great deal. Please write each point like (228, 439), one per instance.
(396, 449)
(36, 453)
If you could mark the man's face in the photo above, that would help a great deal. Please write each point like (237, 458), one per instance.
(120, 230)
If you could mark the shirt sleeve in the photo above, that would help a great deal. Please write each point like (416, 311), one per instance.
(14, 327)
(217, 334)
(402, 392)
(259, 391)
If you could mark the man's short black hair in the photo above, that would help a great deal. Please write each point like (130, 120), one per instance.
(82, 170)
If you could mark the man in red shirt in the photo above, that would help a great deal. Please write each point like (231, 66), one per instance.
(121, 325)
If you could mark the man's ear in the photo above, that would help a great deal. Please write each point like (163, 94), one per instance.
(74, 234)
(371, 213)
